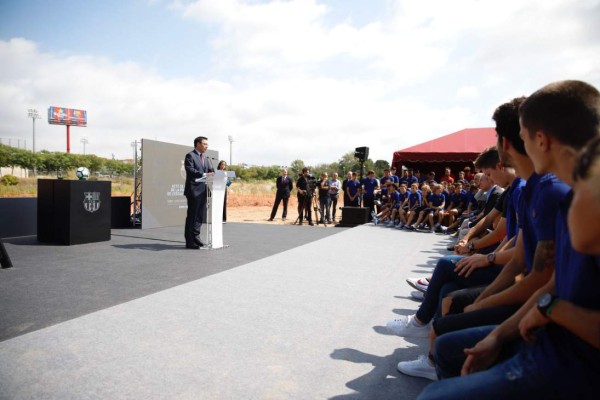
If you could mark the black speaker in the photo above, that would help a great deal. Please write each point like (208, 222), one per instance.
(352, 216)
(362, 153)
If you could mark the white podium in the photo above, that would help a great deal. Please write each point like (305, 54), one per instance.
(216, 185)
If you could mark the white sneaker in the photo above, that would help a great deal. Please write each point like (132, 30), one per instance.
(400, 225)
(420, 284)
(390, 224)
(421, 367)
(407, 326)
(417, 295)
(375, 220)
(443, 229)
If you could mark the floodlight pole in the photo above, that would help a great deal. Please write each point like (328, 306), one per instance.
(230, 149)
(33, 114)
(84, 141)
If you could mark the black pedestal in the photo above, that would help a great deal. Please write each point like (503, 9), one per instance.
(353, 216)
(121, 212)
(73, 212)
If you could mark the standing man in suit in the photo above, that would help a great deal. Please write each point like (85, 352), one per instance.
(284, 187)
(197, 166)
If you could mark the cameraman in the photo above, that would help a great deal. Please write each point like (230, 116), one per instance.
(305, 193)
(324, 199)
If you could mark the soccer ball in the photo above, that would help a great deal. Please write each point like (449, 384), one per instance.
(82, 173)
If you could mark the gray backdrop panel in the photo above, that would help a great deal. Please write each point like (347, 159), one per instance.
(163, 180)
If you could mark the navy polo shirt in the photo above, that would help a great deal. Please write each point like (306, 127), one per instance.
(395, 198)
(414, 198)
(569, 362)
(353, 187)
(437, 200)
(369, 184)
(512, 201)
(537, 211)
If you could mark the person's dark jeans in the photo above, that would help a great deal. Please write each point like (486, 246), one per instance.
(515, 376)
(324, 203)
(487, 316)
(463, 298)
(369, 202)
(444, 274)
(334, 200)
(304, 208)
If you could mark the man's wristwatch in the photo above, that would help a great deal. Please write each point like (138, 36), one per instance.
(545, 303)
(491, 258)
(471, 246)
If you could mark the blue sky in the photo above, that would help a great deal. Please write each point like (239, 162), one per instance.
(297, 79)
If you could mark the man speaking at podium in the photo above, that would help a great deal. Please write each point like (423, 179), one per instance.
(197, 167)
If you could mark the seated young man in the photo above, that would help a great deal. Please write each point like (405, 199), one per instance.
(388, 209)
(426, 197)
(458, 197)
(491, 194)
(414, 205)
(501, 299)
(435, 206)
(399, 208)
(463, 214)
(431, 179)
(550, 348)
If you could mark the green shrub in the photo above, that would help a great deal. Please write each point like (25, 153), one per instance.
(9, 180)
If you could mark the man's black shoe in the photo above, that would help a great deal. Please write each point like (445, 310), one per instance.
(192, 246)
(311, 224)
(197, 242)
(270, 219)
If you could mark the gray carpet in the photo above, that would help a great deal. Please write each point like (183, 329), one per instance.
(51, 284)
(304, 323)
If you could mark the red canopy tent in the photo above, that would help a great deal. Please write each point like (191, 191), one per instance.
(456, 150)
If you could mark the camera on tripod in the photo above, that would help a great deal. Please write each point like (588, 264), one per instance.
(311, 184)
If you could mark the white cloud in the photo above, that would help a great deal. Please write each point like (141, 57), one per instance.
(290, 82)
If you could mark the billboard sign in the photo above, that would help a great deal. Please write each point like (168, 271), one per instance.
(66, 116)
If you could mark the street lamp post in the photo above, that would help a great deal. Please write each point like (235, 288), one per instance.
(230, 149)
(84, 141)
(33, 114)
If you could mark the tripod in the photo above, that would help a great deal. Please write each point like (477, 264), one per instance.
(303, 209)
(317, 209)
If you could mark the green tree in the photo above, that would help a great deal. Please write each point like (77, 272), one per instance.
(295, 168)
(379, 166)
(4, 156)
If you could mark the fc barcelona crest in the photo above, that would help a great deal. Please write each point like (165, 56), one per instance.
(91, 201)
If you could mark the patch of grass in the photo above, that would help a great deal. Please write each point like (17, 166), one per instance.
(27, 187)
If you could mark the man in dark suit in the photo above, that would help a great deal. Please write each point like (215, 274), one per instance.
(197, 166)
(284, 187)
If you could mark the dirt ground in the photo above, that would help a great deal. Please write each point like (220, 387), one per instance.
(256, 209)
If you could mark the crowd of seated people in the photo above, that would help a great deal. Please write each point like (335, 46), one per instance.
(515, 312)
(425, 205)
